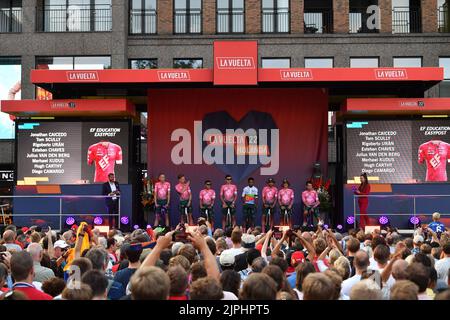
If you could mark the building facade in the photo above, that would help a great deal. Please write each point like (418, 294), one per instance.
(120, 34)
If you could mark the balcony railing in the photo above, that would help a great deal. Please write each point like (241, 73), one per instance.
(74, 18)
(318, 21)
(275, 21)
(188, 22)
(406, 20)
(358, 21)
(443, 19)
(10, 20)
(142, 21)
(230, 22)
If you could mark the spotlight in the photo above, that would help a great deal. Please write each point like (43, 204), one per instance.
(149, 226)
(70, 221)
(135, 227)
(339, 227)
(350, 220)
(98, 220)
(124, 220)
(414, 220)
(383, 220)
(325, 226)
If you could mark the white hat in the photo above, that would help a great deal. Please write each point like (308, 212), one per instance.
(227, 258)
(248, 241)
(418, 239)
(60, 244)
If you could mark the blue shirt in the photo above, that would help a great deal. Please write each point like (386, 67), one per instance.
(292, 279)
(437, 227)
(119, 286)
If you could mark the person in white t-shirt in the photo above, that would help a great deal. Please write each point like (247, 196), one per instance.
(360, 263)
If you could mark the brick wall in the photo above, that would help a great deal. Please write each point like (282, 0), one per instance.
(253, 16)
(340, 16)
(165, 16)
(209, 16)
(386, 15)
(297, 8)
(429, 15)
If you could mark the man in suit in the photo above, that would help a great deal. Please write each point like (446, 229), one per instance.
(111, 188)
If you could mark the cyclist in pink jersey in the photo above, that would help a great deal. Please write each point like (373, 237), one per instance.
(269, 198)
(162, 199)
(286, 201)
(207, 197)
(311, 204)
(228, 196)
(184, 191)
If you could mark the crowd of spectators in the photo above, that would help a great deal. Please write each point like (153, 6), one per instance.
(198, 263)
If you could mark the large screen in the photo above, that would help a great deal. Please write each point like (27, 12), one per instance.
(71, 152)
(10, 89)
(400, 151)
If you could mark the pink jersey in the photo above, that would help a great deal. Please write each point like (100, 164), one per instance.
(269, 194)
(207, 196)
(285, 196)
(105, 155)
(435, 154)
(228, 192)
(183, 195)
(162, 190)
(309, 197)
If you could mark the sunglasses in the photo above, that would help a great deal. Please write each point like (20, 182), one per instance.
(228, 179)
(208, 184)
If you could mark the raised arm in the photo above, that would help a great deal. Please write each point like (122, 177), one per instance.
(279, 244)
(266, 244)
(307, 245)
(162, 243)
(50, 248)
(199, 242)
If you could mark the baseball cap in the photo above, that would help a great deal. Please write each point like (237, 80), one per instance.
(24, 229)
(60, 244)
(248, 241)
(227, 258)
(418, 239)
(297, 257)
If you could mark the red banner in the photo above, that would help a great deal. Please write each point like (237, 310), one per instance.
(235, 62)
(398, 104)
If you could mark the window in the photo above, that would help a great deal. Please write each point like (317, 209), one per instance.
(230, 16)
(444, 86)
(10, 89)
(74, 16)
(10, 16)
(319, 62)
(188, 16)
(318, 16)
(144, 64)
(276, 63)
(364, 62)
(188, 63)
(443, 16)
(275, 16)
(408, 62)
(406, 16)
(143, 17)
(69, 63)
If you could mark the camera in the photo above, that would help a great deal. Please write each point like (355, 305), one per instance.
(180, 235)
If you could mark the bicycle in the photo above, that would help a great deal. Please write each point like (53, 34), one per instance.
(286, 216)
(228, 221)
(268, 222)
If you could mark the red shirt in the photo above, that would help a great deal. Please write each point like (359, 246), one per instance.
(105, 155)
(31, 292)
(178, 298)
(435, 155)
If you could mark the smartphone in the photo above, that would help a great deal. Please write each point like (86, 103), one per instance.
(191, 229)
(180, 235)
(277, 233)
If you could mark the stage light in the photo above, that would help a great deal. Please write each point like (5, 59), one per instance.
(350, 220)
(149, 226)
(383, 220)
(98, 220)
(339, 227)
(414, 220)
(70, 221)
(135, 227)
(124, 220)
(325, 226)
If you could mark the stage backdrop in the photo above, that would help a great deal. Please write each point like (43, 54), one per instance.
(245, 132)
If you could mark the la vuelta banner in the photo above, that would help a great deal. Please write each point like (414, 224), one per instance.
(260, 133)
